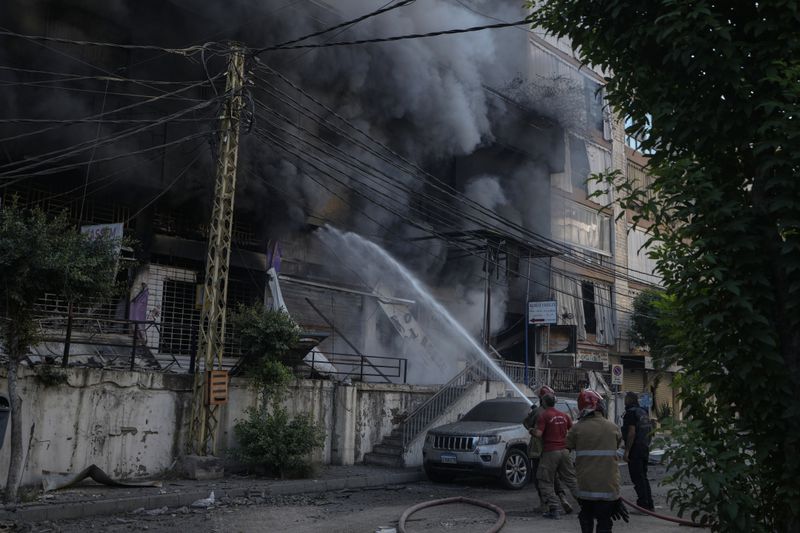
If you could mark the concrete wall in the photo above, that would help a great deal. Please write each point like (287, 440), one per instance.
(378, 409)
(124, 422)
(134, 424)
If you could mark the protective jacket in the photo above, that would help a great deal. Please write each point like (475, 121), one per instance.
(595, 441)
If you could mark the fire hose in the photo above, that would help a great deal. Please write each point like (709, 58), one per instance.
(674, 519)
(498, 525)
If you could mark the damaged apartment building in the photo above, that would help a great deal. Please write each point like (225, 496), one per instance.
(465, 157)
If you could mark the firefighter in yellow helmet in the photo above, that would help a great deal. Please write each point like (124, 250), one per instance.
(595, 441)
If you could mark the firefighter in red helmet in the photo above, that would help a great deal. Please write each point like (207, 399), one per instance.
(595, 441)
(535, 450)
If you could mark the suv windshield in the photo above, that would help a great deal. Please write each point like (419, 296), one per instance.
(510, 412)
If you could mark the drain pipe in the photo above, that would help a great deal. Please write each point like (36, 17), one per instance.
(498, 525)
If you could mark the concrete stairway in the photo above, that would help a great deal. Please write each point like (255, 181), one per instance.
(388, 453)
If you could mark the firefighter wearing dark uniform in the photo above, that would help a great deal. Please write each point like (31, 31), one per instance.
(535, 451)
(595, 441)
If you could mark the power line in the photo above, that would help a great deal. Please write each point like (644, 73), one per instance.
(396, 37)
(47, 172)
(166, 189)
(286, 44)
(188, 51)
(568, 253)
(56, 155)
(273, 139)
(150, 100)
(388, 197)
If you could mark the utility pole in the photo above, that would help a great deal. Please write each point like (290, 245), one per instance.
(210, 381)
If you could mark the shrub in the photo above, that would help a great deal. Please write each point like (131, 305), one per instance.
(270, 439)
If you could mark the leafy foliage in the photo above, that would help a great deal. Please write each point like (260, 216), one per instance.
(265, 333)
(650, 326)
(714, 85)
(41, 255)
(269, 438)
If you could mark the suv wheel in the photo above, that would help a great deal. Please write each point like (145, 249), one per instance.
(516, 469)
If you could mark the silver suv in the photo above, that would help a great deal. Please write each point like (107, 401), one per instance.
(489, 440)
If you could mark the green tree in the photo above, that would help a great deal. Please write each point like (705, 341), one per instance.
(716, 88)
(650, 326)
(40, 255)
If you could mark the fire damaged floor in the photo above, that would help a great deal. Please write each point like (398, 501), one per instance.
(358, 510)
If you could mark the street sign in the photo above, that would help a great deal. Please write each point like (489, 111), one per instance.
(616, 374)
(544, 312)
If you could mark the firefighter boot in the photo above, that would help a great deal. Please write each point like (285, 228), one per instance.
(587, 522)
(565, 504)
(553, 514)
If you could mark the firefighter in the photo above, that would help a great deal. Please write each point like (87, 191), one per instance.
(535, 451)
(555, 462)
(595, 441)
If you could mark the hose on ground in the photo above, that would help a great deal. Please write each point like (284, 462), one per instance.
(498, 525)
(674, 519)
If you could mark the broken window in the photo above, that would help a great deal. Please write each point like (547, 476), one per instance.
(577, 224)
(589, 316)
(587, 305)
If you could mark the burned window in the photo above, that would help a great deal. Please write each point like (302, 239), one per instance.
(589, 314)
(179, 319)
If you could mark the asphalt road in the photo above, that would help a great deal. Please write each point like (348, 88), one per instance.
(351, 511)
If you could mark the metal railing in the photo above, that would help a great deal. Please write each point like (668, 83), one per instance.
(433, 407)
(99, 341)
(360, 367)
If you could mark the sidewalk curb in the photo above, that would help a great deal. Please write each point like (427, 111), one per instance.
(66, 511)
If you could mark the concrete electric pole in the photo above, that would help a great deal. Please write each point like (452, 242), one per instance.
(210, 381)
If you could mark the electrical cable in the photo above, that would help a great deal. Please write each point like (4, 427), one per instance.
(350, 22)
(454, 31)
(408, 191)
(150, 100)
(91, 158)
(166, 189)
(379, 171)
(388, 198)
(57, 155)
(188, 51)
(109, 158)
(276, 141)
(442, 186)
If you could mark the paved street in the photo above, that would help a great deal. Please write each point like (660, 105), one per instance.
(358, 510)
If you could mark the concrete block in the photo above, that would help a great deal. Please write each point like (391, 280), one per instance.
(201, 467)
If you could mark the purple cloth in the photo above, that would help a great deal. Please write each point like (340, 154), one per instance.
(274, 255)
(138, 306)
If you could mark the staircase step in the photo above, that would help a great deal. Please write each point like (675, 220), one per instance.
(388, 449)
(392, 441)
(373, 458)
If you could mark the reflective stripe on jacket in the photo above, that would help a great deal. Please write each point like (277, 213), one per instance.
(595, 441)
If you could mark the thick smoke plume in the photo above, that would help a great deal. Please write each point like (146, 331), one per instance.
(460, 107)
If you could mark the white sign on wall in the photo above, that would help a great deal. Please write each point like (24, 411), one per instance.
(544, 312)
(616, 374)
